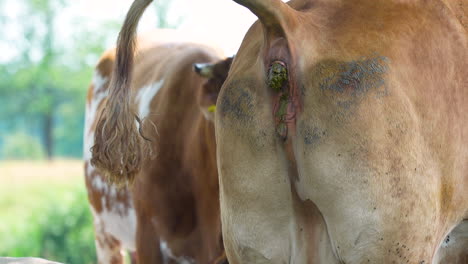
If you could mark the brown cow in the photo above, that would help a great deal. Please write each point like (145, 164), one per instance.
(171, 212)
(342, 133)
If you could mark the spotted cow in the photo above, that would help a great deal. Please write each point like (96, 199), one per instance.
(170, 213)
(341, 133)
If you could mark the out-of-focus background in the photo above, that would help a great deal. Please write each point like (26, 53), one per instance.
(47, 52)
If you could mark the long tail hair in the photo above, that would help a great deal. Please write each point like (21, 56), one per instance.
(119, 149)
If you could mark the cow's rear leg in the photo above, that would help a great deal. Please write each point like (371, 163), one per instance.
(108, 249)
(148, 243)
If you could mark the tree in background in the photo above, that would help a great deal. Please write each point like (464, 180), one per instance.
(43, 87)
(44, 77)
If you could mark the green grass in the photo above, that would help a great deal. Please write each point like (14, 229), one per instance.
(44, 212)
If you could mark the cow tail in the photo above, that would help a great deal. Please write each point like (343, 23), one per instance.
(119, 149)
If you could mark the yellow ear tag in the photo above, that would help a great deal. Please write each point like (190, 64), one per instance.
(212, 108)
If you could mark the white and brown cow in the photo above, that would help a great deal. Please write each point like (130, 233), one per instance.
(342, 133)
(171, 212)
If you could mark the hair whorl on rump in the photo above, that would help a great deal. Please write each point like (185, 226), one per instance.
(119, 149)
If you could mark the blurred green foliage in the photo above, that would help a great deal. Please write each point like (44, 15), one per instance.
(59, 227)
(22, 146)
(43, 87)
(62, 232)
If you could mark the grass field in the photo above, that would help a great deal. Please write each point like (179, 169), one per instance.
(25, 186)
(44, 211)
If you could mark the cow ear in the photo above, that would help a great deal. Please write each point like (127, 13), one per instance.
(209, 112)
(204, 69)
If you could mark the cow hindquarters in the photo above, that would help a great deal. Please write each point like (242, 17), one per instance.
(263, 220)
